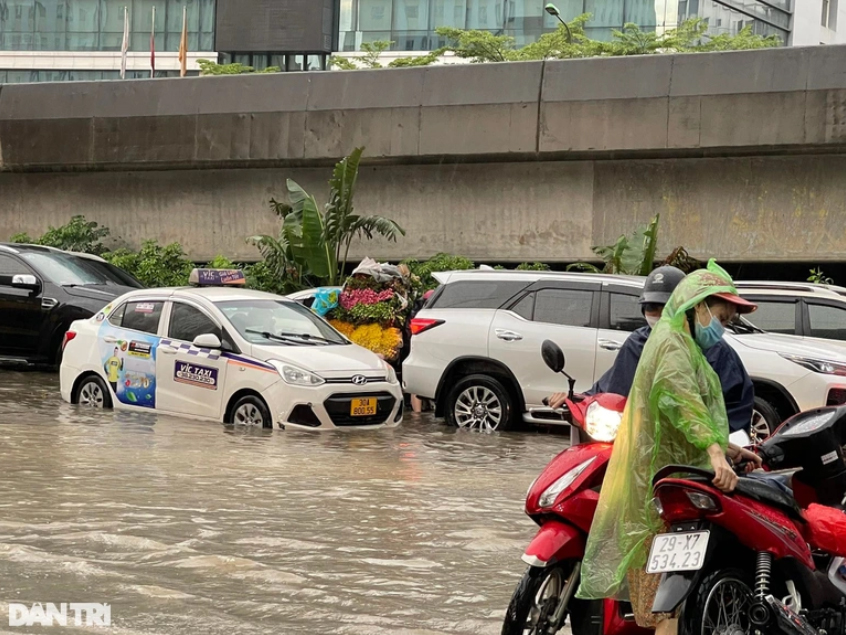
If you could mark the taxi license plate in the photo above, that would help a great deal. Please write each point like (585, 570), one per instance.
(365, 407)
(678, 552)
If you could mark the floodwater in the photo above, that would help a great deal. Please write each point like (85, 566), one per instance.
(198, 528)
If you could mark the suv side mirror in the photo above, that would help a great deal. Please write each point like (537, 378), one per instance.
(553, 356)
(207, 340)
(26, 281)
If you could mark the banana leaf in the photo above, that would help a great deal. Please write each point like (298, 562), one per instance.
(305, 232)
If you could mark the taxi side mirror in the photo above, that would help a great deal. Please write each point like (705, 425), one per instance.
(207, 340)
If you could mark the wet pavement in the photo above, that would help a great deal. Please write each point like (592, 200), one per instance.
(194, 527)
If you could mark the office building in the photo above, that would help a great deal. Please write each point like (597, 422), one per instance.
(55, 40)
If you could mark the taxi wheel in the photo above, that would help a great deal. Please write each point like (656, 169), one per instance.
(251, 411)
(92, 392)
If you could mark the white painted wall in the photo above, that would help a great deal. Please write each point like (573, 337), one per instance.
(807, 24)
(95, 61)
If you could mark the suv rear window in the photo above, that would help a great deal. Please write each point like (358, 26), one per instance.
(477, 294)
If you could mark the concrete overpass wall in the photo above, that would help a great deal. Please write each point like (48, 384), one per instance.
(742, 153)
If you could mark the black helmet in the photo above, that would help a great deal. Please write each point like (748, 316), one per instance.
(660, 285)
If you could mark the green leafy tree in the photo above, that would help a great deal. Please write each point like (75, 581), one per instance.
(440, 262)
(369, 57)
(818, 277)
(208, 67)
(155, 265)
(77, 235)
(533, 266)
(477, 46)
(312, 246)
(630, 255)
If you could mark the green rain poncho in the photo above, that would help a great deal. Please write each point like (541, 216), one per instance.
(675, 411)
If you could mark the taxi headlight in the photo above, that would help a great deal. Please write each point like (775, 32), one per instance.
(602, 424)
(391, 373)
(296, 376)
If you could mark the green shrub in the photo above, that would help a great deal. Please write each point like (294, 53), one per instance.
(154, 265)
(76, 235)
(441, 262)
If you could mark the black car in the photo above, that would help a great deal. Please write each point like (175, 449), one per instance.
(43, 290)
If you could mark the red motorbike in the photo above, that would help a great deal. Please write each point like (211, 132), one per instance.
(562, 501)
(769, 557)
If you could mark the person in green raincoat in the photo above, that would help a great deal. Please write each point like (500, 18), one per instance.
(675, 414)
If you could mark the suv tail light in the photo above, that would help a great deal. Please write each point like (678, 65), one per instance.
(419, 325)
(69, 335)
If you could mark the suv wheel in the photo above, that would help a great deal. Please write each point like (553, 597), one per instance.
(480, 402)
(765, 420)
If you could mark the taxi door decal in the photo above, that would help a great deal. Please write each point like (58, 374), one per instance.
(129, 364)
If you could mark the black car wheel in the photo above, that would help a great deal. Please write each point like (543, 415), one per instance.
(765, 419)
(480, 402)
(92, 392)
(251, 410)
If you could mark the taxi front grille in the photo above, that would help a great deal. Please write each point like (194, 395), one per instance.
(338, 408)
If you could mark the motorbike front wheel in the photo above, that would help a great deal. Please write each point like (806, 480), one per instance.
(536, 608)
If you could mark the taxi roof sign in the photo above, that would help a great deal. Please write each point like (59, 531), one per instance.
(217, 278)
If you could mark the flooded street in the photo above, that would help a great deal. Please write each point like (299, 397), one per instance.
(194, 527)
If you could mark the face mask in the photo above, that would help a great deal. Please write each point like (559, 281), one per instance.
(708, 336)
(652, 321)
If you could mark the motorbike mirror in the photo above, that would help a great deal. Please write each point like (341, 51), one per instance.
(553, 356)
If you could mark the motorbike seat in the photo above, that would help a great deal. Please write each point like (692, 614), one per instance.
(769, 494)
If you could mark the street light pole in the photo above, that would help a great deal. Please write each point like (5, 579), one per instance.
(551, 9)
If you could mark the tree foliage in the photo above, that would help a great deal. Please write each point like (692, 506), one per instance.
(77, 235)
(313, 245)
(208, 67)
(630, 255)
(478, 46)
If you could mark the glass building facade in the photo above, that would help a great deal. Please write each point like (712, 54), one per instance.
(60, 40)
(97, 25)
(411, 24)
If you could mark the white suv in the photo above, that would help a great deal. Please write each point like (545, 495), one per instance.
(814, 312)
(475, 348)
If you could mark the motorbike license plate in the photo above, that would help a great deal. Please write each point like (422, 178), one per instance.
(363, 407)
(678, 552)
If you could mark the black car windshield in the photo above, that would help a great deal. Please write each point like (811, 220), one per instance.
(113, 274)
(63, 269)
(277, 322)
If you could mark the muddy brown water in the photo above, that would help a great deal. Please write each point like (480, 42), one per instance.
(191, 527)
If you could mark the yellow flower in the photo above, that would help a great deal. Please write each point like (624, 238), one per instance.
(385, 342)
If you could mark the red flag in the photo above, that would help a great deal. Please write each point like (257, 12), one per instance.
(153, 47)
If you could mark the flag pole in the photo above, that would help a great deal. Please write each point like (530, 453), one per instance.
(153, 47)
(125, 44)
(183, 44)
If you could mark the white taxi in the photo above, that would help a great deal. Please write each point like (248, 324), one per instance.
(217, 351)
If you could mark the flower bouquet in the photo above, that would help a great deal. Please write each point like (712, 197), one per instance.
(373, 307)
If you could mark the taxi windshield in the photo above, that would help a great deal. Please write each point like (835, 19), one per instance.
(277, 322)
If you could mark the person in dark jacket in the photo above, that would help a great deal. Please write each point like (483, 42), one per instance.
(738, 391)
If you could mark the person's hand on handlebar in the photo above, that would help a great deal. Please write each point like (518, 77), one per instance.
(557, 400)
(740, 456)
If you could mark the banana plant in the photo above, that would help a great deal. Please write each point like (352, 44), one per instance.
(631, 255)
(318, 244)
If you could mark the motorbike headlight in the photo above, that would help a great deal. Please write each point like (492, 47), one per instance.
(296, 376)
(811, 424)
(547, 499)
(391, 373)
(602, 424)
(822, 366)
